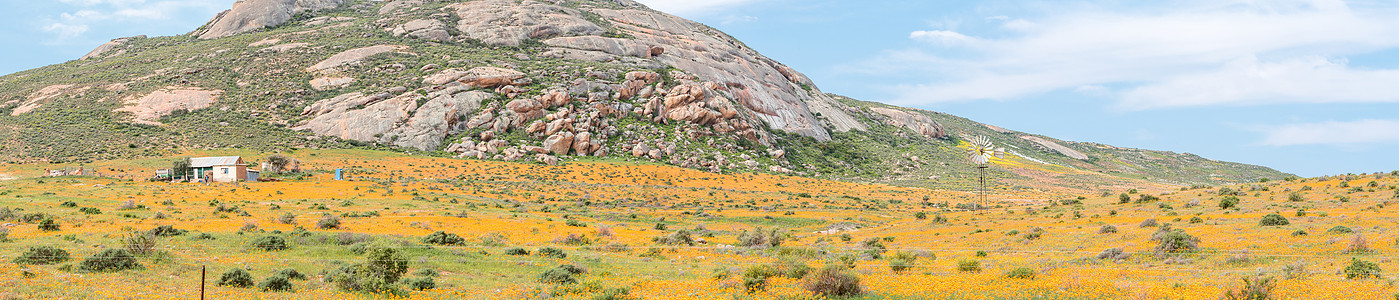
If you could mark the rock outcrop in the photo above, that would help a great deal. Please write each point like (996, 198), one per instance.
(249, 15)
(149, 108)
(352, 56)
(396, 120)
(1056, 147)
(427, 29)
(916, 121)
(509, 23)
(108, 47)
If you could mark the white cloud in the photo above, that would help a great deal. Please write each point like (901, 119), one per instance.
(942, 37)
(1332, 133)
(1185, 53)
(89, 15)
(692, 7)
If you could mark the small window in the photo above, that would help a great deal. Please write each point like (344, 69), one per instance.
(225, 170)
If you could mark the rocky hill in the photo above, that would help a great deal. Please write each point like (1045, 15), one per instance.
(543, 80)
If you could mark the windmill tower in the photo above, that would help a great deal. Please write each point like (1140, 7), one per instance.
(980, 154)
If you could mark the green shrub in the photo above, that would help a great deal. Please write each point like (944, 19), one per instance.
(1299, 232)
(290, 274)
(1255, 288)
(237, 277)
(420, 283)
(1229, 202)
(563, 274)
(516, 251)
(760, 238)
(679, 237)
(575, 223)
(1339, 230)
(287, 218)
(1124, 198)
(1175, 242)
(1359, 269)
(444, 238)
(48, 224)
(382, 268)
(328, 221)
(110, 260)
(832, 281)
(1196, 220)
(42, 255)
(90, 210)
(551, 252)
(275, 283)
(969, 266)
(1021, 273)
(1295, 197)
(902, 261)
(920, 215)
(167, 230)
(1106, 229)
(1273, 220)
(270, 243)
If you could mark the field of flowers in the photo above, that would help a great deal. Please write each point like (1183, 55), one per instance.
(467, 229)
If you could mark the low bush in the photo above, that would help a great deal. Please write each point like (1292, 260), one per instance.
(1273, 220)
(551, 252)
(1021, 273)
(1106, 229)
(1176, 242)
(290, 274)
(1255, 288)
(444, 238)
(902, 261)
(287, 218)
(1148, 223)
(110, 260)
(275, 283)
(328, 221)
(1229, 202)
(832, 281)
(760, 238)
(48, 224)
(270, 243)
(420, 283)
(236, 277)
(679, 237)
(1339, 230)
(1359, 269)
(1114, 254)
(381, 270)
(42, 255)
(167, 230)
(563, 274)
(969, 266)
(516, 251)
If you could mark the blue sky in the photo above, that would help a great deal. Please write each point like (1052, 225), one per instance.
(1307, 87)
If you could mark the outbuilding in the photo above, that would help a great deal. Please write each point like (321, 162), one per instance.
(219, 169)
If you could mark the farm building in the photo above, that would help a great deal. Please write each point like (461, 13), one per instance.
(221, 169)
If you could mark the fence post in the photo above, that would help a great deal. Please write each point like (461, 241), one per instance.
(202, 270)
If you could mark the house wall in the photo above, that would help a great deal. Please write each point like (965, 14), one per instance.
(230, 173)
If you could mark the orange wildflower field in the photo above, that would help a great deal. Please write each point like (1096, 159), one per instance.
(470, 229)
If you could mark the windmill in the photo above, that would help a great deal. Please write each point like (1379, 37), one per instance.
(980, 154)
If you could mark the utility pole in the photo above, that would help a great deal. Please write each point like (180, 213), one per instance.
(202, 270)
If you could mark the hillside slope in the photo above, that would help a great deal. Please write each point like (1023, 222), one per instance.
(518, 80)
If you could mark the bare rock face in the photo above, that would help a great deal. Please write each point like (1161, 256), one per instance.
(427, 29)
(331, 82)
(38, 98)
(352, 56)
(915, 121)
(1066, 151)
(481, 77)
(559, 143)
(508, 23)
(150, 108)
(249, 15)
(396, 120)
(108, 47)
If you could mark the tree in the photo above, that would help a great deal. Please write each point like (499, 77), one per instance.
(278, 163)
(181, 167)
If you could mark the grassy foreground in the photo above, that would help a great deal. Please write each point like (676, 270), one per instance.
(643, 231)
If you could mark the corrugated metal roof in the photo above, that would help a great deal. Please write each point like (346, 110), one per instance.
(205, 162)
